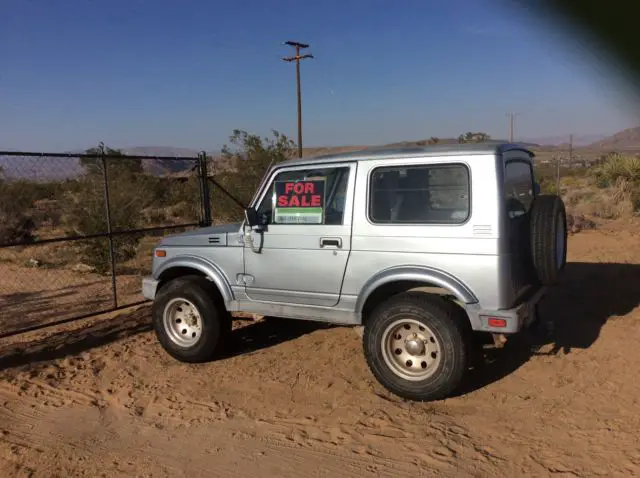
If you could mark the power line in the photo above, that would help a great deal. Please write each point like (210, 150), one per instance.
(297, 58)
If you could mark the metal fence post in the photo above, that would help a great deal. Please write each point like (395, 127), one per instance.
(107, 209)
(205, 196)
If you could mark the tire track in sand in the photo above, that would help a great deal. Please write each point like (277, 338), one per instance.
(87, 439)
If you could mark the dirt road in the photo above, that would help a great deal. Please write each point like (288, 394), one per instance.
(296, 399)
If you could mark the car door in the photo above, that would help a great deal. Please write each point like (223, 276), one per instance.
(301, 255)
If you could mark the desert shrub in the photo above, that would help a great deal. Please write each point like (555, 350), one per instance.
(621, 174)
(249, 159)
(153, 191)
(166, 200)
(579, 193)
(617, 166)
(117, 164)
(546, 175)
(176, 198)
(86, 213)
(23, 208)
(184, 199)
(156, 216)
(571, 182)
(15, 227)
(609, 190)
(49, 212)
(613, 202)
(16, 223)
(547, 185)
(87, 216)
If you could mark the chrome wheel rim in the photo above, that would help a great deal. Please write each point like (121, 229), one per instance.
(182, 322)
(411, 350)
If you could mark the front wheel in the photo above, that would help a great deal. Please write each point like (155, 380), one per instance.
(189, 324)
(417, 346)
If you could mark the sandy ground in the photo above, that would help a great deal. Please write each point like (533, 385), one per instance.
(32, 296)
(100, 398)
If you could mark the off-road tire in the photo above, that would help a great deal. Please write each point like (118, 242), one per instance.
(216, 321)
(451, 329)
(548, 224)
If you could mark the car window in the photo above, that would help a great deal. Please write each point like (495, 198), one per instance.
(518, 187)
(425, 194)
(306, 196)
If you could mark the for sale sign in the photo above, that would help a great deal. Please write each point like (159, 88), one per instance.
(300, 202)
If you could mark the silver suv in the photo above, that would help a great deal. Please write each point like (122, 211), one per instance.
(421, 246)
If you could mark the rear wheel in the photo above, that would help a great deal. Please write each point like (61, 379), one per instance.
(417, 346)
(190, 325)
(548, 238)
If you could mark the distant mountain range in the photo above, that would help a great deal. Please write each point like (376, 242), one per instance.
(562, 141)
(161, 151)
(45, 168)
(158, 167)
(625, 140)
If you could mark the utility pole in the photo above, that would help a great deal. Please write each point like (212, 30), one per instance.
(511, 123)
(570, 149)
(297, 58)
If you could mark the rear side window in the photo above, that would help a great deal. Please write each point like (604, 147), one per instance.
(518, 187)
(425, 194)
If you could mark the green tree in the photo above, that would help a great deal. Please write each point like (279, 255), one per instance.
(87, 211)
(471, 137)
(250, 158)
(118, 164)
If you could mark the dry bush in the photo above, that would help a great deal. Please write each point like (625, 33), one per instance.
(23, 208)
(50, 255)
(183, 198)
(613, 202)
(16, 225)
(154, 216)
(87, 216)
(618, 176)
(546, 177)
(610, 190)
(136, 200)
(47, 213)
(617, 166)
(250, 158)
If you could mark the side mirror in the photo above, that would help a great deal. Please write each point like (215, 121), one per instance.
(251, 216)
(536, 188)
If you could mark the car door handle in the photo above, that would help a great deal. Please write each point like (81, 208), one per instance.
(331, 241)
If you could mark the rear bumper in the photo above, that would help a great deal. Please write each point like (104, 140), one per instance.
(149, 288)
(507, 321)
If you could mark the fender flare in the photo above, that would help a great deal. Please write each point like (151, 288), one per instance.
(424, 274)
(208, 268)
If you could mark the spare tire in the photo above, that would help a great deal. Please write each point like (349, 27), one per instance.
(548, 237)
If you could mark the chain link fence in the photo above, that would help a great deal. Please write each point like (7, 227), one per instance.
(77, 230)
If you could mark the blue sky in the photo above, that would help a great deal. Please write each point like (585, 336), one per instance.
(186, 73)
